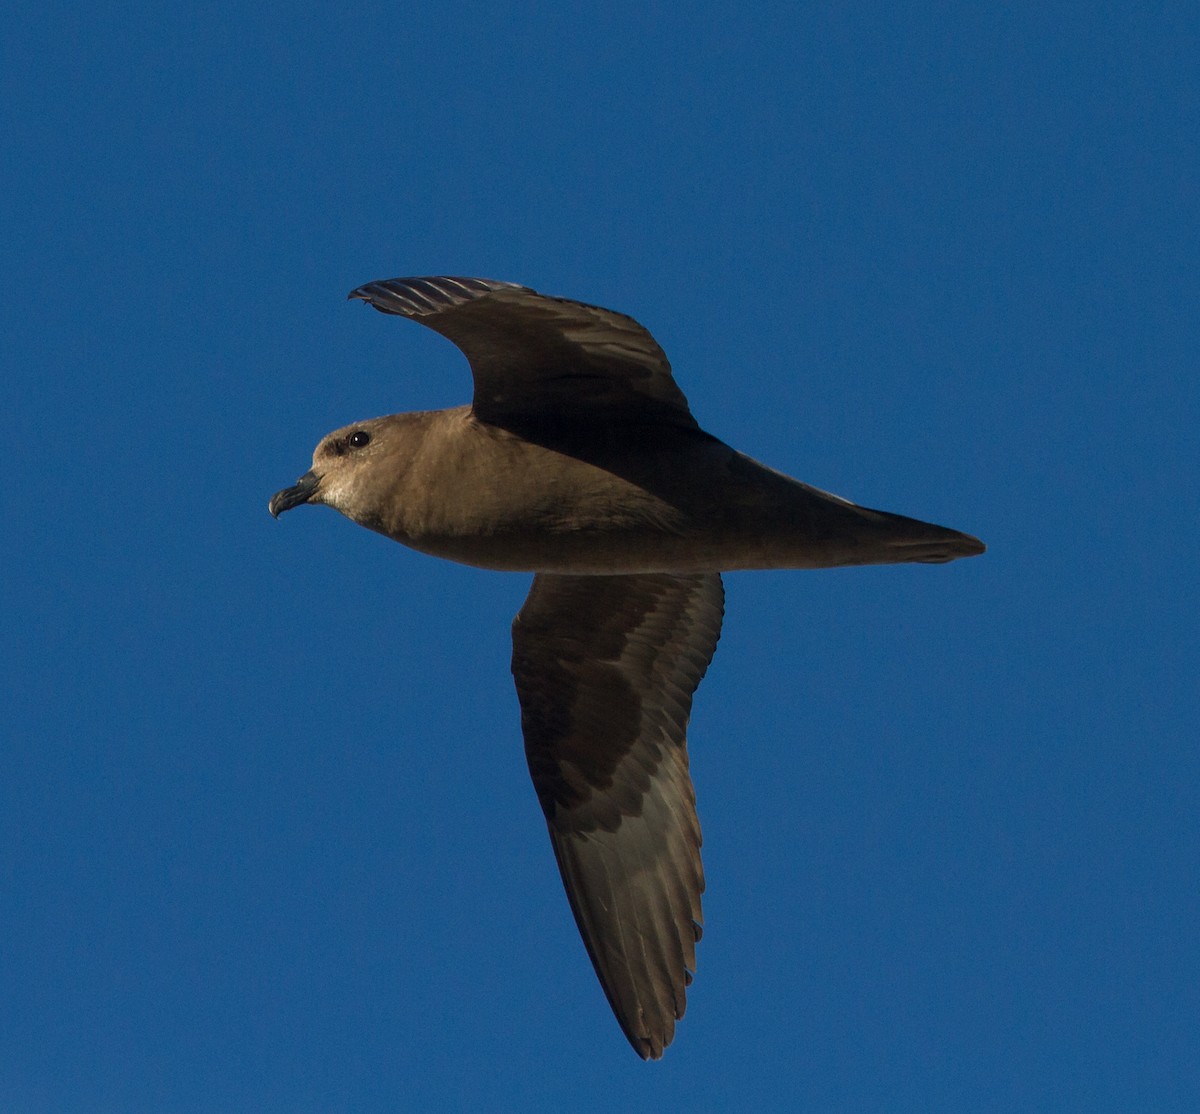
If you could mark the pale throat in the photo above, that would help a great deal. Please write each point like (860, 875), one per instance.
(344, 492)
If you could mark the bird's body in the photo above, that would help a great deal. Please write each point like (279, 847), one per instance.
(579, 460)
(611, 500)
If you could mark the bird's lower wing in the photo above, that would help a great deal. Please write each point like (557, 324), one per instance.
(605, 668)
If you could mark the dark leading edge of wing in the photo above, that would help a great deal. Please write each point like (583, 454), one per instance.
(536, 358)
(605, 668)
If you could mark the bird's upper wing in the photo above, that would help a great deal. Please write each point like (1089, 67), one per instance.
(536, 358)
(605, 668)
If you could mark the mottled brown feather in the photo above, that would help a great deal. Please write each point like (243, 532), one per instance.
(605, 668)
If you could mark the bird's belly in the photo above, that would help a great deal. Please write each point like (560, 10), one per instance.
(584, 553)
(586, 533)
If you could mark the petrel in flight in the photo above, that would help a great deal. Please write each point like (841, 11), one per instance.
(579, 461)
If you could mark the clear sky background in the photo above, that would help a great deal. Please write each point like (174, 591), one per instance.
(267, 839)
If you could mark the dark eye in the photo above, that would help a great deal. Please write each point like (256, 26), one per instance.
(358, 439)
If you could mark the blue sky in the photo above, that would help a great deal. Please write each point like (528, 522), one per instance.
(267, 837)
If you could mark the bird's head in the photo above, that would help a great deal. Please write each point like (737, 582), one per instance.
(342, 462)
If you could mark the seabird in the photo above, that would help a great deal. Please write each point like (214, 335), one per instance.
(579, 461)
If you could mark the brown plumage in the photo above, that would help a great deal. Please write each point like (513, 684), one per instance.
(579, 460)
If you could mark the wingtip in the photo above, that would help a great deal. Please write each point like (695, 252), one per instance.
(420, 296)
(649, 1049)
(361, 293)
